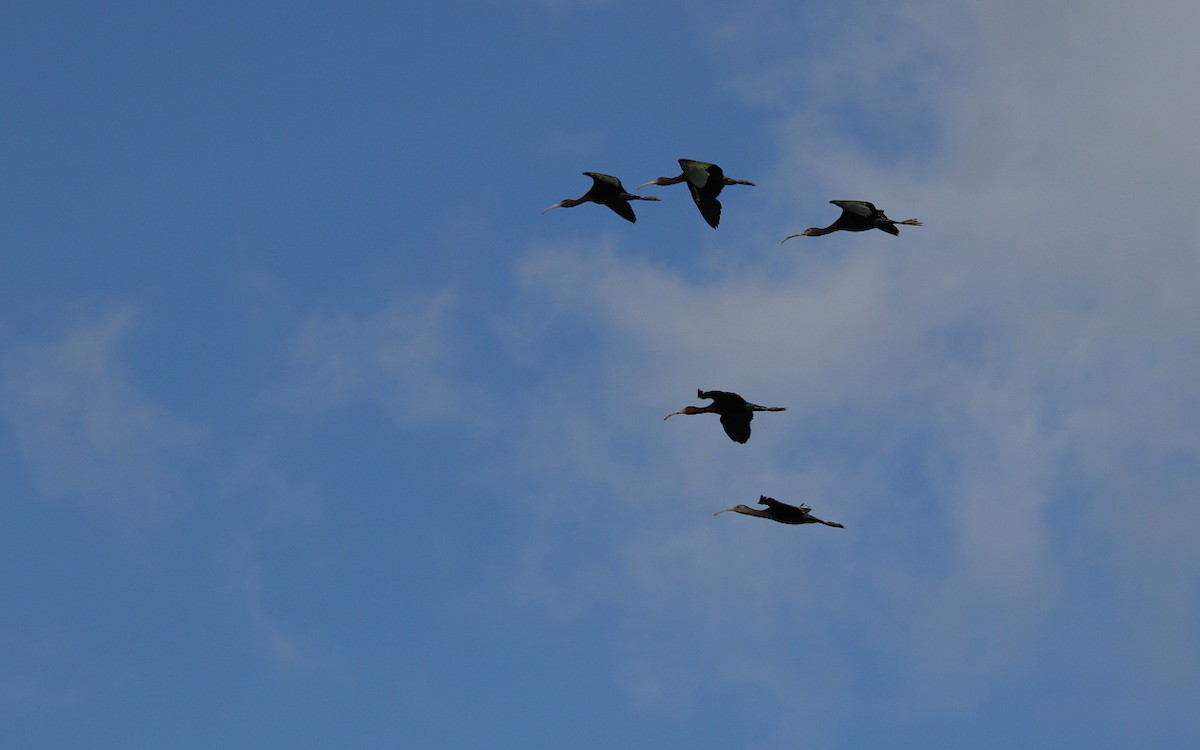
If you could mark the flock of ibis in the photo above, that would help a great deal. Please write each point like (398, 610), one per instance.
(705, 182)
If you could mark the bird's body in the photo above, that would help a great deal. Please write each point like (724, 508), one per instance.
(607, 191)
(857, 216)
(735, 411)
(780, 512)
(705, 181)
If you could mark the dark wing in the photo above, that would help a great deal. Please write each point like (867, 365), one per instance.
(737, 425)
(723, 400)
(858, 208)
(608, 191)
(622, 207)
(884, 223)
(735, 415)
(703, 176)
(774, 504)
(710, 208)
(784, 513)
(606, 182)
(705, 181)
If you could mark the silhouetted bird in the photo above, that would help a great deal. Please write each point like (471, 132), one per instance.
(705, 181)
(607, 191)
(857, 216)
(736, 412)
(780, 512)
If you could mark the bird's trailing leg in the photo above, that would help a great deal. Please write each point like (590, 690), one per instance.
(756, 407)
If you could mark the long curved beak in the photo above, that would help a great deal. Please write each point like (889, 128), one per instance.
(651, 182)
(547, 208)
(672, 414)
(785, 239)
(719, 512)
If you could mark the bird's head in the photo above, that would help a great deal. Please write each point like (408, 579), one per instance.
(686, 410)
(567, 203)
(810, 232)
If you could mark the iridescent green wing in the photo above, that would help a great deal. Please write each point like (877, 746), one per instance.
(705, 181)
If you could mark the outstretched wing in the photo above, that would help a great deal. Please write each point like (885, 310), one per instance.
(710, 208)
(705, 182)
(623, 209)
(737, 426)
(605, 182)
(703, 176)
(723, 399)
(858, 208)
(785, 513)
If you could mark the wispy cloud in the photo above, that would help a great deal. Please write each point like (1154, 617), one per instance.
(283, 646)
(398, 357)
(85, 430)
(998, 387)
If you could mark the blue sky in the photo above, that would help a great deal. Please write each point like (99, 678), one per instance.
(316, 432)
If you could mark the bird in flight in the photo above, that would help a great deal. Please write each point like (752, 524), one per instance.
(705, 181)
(780, 512)
(736, 412)
(857, 216)
(607, 191)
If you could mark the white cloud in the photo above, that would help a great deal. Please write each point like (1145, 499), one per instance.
(397, 357)
(85, 430)
(1022, 362)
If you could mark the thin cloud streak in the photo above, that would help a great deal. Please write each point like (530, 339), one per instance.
(397, 357)
(85, 430)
